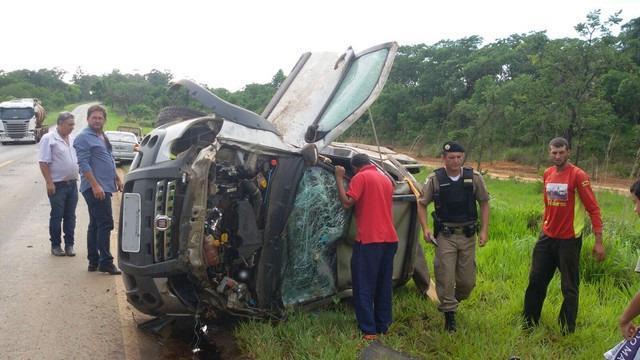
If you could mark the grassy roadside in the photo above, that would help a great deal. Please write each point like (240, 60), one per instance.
(489, 322)
(52, 114)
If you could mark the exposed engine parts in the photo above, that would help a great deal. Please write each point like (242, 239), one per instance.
(238, 183)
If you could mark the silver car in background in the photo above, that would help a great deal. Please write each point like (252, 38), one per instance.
(124, 144)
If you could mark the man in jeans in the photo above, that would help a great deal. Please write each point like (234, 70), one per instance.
(98, 181)
(376, 244)
(566, 187)
(58, 164)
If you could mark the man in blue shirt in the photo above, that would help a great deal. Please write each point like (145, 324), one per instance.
(98, 181)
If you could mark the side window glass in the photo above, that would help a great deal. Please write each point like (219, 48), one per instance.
(359, 82)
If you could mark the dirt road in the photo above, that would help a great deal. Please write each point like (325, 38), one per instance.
(507, 170)
(51, 307)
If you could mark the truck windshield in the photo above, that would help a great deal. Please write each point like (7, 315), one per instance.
(16, 113)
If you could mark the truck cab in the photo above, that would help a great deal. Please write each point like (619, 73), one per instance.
(21, 120)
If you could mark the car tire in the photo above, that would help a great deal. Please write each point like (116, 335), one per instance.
(176, 114)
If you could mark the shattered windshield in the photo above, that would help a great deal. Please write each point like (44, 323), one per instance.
(317, 221)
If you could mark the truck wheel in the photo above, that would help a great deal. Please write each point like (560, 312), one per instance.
(176, 113)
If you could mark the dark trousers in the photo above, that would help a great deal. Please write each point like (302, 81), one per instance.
(549, 254)
(371, 275)
(100, 226)
(63, 213)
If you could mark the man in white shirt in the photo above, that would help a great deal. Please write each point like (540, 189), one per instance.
(59, 167)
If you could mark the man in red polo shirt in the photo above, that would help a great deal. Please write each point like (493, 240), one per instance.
(371, 192)
(567, 194)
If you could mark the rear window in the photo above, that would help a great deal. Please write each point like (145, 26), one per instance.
(124, 137)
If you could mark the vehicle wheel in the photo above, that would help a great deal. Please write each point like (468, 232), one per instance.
(176, 113)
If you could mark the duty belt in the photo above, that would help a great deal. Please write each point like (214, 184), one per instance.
(466, 230)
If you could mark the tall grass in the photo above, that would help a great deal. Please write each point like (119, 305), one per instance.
(489, 322)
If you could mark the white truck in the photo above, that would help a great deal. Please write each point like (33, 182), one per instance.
(22, 120)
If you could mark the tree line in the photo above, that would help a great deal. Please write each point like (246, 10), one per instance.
(503, 100)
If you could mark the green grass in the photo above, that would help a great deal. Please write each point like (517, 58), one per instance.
(52, 114)
(489, 321)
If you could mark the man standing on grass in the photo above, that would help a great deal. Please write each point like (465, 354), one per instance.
(376, 243)
(98, 181)
(567, 193)
(455, 190)
(59, 167)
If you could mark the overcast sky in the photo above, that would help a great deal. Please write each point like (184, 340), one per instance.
(233, 43)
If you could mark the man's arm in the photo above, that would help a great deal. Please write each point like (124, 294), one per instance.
(484, 225)
(346, 201)
(590, 203)
(482, 196)
(627, 328)
(422, 203)
(44, 169)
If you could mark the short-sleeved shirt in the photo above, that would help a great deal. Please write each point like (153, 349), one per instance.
(94, 155)
(373, 195)
(567, 195)
(59, 156)
(479, 188)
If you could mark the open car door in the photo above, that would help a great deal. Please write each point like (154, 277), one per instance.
(326, 93)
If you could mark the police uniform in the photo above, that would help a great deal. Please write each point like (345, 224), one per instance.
(456, 215)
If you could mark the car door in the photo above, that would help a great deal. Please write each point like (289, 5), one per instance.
(326, 93)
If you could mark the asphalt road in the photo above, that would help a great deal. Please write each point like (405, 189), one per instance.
(51, 307)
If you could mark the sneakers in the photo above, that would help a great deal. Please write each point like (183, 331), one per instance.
(450, 321)
(57, 251)
(110, 269)
(69, 250)
(92, 268)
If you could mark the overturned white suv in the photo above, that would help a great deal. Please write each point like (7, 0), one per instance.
(238, 213)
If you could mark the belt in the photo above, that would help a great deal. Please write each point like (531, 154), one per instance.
(65, 182)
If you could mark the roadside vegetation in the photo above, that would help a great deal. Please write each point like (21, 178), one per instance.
(489, 323)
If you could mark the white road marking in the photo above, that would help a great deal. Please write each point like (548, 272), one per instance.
(6, 163)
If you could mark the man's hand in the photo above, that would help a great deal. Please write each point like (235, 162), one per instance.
(598, 251)
(483, 238)
(119, 185)
(429, 238)
(339, 172)
(627, 329)
(51, 189)
(98, 192)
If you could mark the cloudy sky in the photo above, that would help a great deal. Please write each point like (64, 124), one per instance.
(233, 43)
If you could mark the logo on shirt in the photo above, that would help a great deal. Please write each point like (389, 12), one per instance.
(585, 183)
(557, 192)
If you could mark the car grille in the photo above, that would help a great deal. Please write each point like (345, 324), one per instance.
(165, 197)
(16, 130)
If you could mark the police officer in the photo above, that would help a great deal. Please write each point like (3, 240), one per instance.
(454, 190)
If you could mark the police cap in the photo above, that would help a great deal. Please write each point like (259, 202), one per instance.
(452, 146)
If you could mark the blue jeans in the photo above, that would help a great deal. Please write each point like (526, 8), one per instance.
(100, 226)
(371, 275)
(63, 213)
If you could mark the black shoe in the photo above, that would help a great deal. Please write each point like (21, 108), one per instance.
(450, 321)
(92, 268)
(69, 250)
(111, 269)
(57, 251)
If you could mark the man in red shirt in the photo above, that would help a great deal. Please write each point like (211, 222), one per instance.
(371, 192)
(567, 194)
